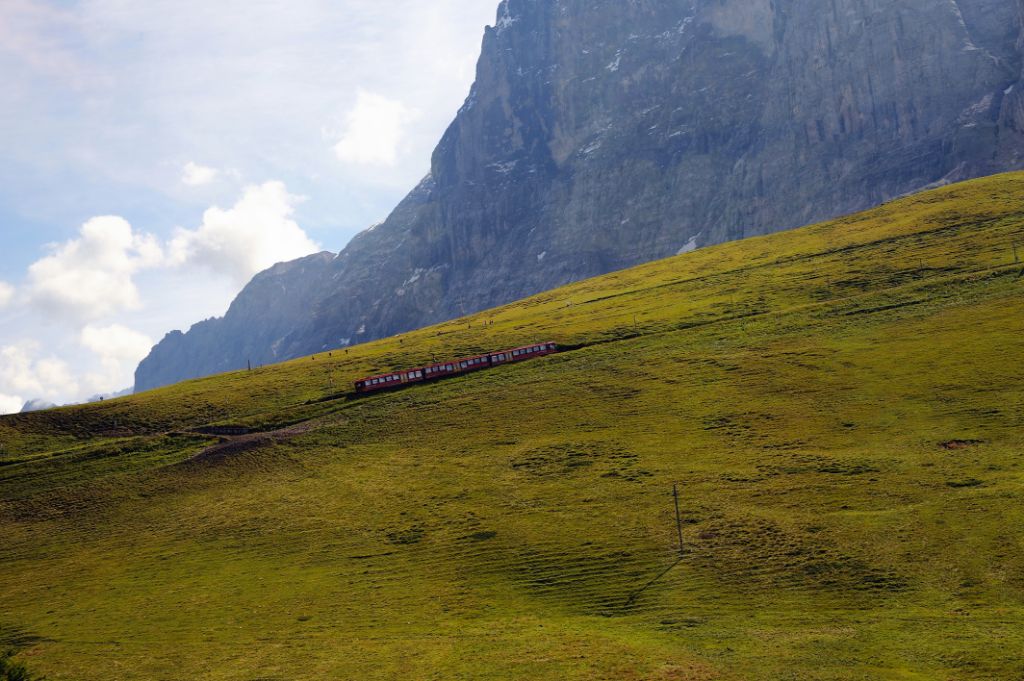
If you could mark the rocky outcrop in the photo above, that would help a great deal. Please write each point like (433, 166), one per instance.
(274, 303)
(37, 405)
(600, 134)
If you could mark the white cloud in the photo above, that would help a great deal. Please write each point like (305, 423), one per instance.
(195, 175)
(375, 129)
(10, 404)
(254, 234)
(91, 276)
(105, 100)
(23, 373)
(119, 350)
(6, 294)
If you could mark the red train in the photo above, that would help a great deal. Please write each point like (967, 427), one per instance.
(433, 372)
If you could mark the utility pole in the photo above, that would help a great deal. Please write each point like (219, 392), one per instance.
(679, 518)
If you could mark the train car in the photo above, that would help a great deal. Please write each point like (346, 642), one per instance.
(468, 364)
(437, 371)
(387, 381)
(526, 352)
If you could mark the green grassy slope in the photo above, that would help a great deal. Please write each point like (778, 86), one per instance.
(842, 407)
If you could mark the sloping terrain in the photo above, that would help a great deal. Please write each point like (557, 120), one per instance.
(603, 134)
(841, 406)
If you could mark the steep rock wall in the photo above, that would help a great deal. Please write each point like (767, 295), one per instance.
(601, 133)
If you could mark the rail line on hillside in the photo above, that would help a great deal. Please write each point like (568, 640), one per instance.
(457, 367)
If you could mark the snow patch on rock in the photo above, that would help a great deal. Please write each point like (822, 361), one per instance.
(505, 18)
(690, 246)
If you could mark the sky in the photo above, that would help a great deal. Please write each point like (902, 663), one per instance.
(155, 154)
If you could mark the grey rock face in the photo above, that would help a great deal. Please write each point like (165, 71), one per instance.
(37, 405)
(601, 134)
(268, 308)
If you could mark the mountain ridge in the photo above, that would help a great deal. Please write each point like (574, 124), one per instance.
(837, 404)
(599, 135)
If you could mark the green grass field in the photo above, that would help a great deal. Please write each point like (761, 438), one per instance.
(842, 407)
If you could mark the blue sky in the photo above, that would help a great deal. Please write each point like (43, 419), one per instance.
(154, 154)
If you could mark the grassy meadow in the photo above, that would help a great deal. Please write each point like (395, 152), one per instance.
(841, 407)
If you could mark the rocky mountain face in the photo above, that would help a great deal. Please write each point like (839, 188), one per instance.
(601, 133)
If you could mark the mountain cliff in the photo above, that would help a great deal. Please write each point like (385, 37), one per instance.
(600, 134)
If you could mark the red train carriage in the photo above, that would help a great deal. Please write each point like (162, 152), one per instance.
(520, 354)
(474, 364)
(461, 366)
(435, 371)
(385, 381)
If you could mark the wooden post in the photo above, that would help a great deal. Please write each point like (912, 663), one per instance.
(1016, 257)
(679, 518)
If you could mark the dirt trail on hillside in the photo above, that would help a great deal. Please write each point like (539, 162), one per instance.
(232, 445)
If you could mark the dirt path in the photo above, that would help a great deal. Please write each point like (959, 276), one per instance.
(232, 445)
